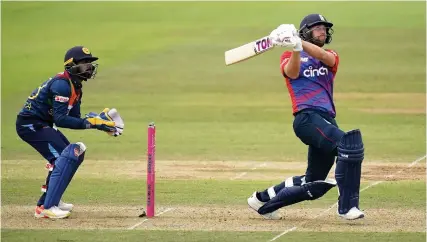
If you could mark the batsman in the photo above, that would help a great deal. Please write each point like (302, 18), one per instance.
(309, 72)
(56, 103)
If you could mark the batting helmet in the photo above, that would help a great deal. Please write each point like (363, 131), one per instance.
(314, 20)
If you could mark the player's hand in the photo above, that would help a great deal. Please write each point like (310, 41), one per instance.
(282, 39)
(287, 28)
(286, 39)
(113, 115)
(298, 43)
(284, 36)
(99, 123)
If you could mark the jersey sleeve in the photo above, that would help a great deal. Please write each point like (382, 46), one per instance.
(75, 111)
(284, 59)
(61, 93)
(334, 69)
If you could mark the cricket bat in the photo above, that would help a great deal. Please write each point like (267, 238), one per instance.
(248, 50)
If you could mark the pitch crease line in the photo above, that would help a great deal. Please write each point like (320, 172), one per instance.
(136, 225)
(244, 173)
(335, 204)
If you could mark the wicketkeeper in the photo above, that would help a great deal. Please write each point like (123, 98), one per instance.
(309, 71)
(56, 103)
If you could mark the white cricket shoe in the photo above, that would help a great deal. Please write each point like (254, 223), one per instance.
(65, 206)
(53, 212)
(352, 214)
(255, 204)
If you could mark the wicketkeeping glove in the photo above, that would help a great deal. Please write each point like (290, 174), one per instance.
(97, 122)
(113, 115)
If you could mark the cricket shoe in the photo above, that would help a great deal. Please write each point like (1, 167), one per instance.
(53, 212)
(65, 206)
(255, 204)
(352, 214)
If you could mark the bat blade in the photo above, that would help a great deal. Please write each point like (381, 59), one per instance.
(248, 50)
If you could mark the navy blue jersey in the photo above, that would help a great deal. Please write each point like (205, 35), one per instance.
(57, 102)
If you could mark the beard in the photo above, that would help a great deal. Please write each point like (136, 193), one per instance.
(319, 42)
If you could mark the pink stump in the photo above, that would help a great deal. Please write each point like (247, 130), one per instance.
(151, 174)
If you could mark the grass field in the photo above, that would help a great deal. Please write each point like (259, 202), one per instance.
(222, 132)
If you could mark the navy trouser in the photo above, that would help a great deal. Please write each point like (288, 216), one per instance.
(320, 132)
(49, 142)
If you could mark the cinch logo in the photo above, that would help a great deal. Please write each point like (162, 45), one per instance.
(310, 72)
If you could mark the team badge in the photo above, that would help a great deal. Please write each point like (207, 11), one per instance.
(86, 50)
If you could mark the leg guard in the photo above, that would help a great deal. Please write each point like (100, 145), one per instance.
(65, 165)
(81, 159)
(50, 167)
(290, 195)
(271, 192)
(348, 170)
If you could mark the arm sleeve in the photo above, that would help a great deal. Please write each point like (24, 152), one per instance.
(75, 111)
(61, 93)
(284, 59)
(334, 69)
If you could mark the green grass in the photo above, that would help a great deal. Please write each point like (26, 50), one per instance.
(408, 194)
(70, 235)
(203, 109)
(164, 62)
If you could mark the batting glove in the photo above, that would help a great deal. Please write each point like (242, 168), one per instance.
(298, 44)
(283, 36)
(286, 28)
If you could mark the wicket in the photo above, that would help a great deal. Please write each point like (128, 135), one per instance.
(151, 162)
